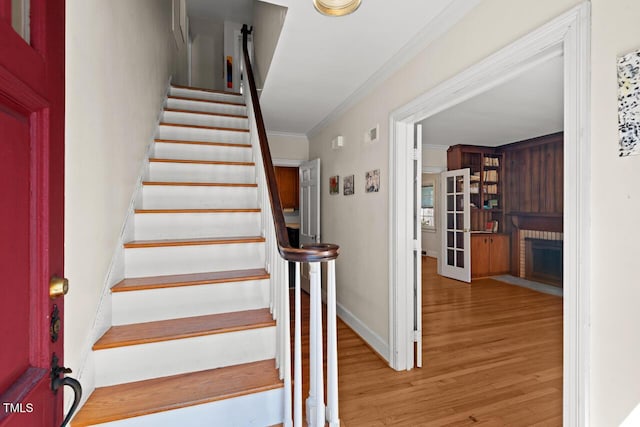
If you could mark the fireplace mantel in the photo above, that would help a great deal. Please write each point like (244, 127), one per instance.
(537, 221)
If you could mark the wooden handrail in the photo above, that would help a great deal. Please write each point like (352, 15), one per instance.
(308, 253)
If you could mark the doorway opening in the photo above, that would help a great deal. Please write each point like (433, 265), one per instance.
(568, 35)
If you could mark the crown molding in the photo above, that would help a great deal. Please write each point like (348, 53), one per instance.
(435, 147)
(286, 134)
(434, 29)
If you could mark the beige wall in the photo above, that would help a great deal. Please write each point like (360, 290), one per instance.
(615, 289)
(288, 146)
(119, 57)
(359, 223)
(268, 20)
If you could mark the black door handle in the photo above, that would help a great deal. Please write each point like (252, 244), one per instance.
(57, 382)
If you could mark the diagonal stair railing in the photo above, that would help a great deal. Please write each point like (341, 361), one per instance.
(278, 254)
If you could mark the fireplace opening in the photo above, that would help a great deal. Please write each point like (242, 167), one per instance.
(543, 260)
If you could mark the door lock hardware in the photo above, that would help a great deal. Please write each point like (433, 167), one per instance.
(55, 324)
(58, 286)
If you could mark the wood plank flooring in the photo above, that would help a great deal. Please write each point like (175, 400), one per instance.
(492, 356)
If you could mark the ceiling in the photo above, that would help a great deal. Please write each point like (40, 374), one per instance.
(320, 63)
(529, 105)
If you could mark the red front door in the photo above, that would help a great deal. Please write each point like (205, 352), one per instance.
(31, 207)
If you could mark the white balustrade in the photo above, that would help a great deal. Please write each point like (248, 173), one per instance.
(317, 415)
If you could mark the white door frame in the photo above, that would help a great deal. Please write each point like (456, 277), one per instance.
(569, 34)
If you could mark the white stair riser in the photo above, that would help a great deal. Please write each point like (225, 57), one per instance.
(185, 197)
(198, 172)
(167, 150)
(207, 135)
(205, 120)
(192, 225)
(206, 95)
(206, 107)
(145, 361)
(188, 301)
(252, 410)
(161, 261)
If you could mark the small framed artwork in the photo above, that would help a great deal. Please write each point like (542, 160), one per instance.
(372, 181)
(334, 184)
(629, 103)
(348, 186)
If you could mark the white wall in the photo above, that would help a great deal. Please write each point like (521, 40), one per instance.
(207, 54)
(289, 146)
(119, 57)
(359, 223)
(268, 20)
(615, 386)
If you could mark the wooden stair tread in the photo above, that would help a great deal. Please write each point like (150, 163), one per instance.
(172, 281)
(202, 89)
(184, 98)
(205, 113)
(190, 211)
(180, 125)
(202, 162)
(188, 327)
(192, 242)
(198, 184)
(177, 391)
(207, 143)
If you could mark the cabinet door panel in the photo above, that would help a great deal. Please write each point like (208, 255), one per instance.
(479, 255)
(499, 261)
(288, 186)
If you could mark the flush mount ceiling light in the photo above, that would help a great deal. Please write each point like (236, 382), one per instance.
(336, 7)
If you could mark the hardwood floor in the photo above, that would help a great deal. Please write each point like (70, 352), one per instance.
(492, 356)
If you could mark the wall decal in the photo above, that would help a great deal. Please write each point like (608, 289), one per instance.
(629, 104)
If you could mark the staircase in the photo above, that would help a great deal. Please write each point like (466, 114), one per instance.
(193, 340)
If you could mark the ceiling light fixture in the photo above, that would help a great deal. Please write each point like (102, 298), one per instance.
(336, 7)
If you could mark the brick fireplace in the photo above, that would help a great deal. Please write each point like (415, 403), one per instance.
(541, 256)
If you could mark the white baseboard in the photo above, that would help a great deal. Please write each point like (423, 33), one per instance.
(374, 340)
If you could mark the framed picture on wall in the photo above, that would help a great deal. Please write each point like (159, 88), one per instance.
(334, 184)
(348, 186)
(372, 181)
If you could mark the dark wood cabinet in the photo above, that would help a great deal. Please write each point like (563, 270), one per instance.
(490, 254)
(288, 186)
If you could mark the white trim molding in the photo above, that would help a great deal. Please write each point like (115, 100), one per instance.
(439, 25)
(359, 327)
(567, 35)
(432, 169)
(288, 162)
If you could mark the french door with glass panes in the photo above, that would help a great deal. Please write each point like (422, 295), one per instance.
(456, 221)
